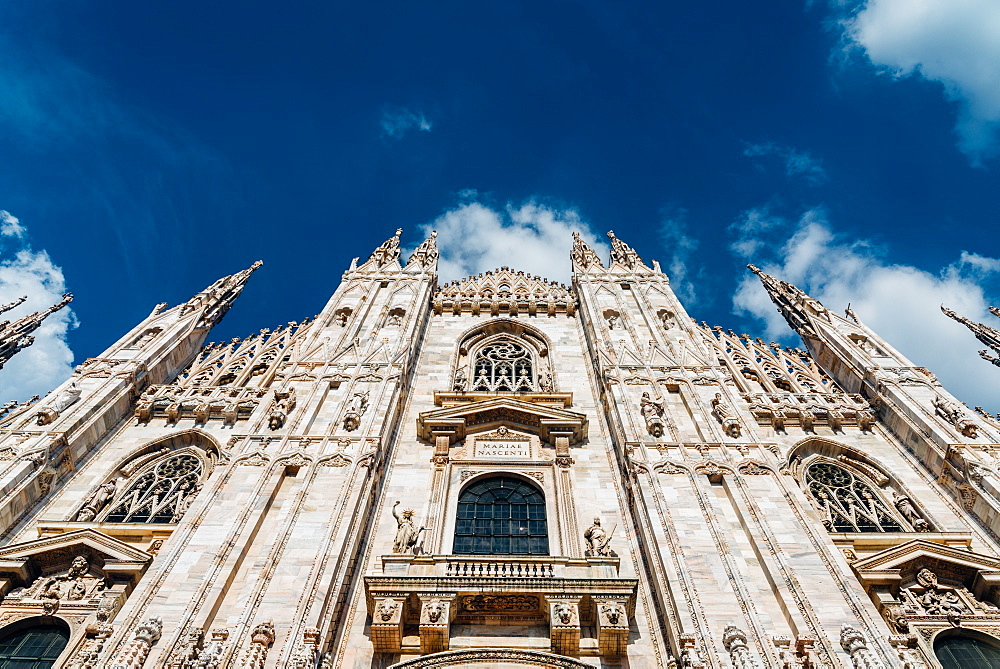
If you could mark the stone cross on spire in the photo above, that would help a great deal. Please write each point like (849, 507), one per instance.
(984, 333)
(16, 335)
(794, 304)
(389, 250)
(217, 299)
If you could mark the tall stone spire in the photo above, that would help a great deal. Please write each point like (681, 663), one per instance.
(425, 255)
(16, 335)
(984, 333)
(388, 251)
(622, 253)
(794, 304)
(217, 299)
(582, 255)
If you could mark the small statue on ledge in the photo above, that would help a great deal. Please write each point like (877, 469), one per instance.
(406, 531)
(598, 541)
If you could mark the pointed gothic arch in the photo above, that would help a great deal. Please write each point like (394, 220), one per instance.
(852, 492)
(503, 355)
(156, 483)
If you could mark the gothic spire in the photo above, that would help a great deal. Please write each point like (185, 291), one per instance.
(389, 250)
(16, 335)
(217, 299)
(794, 304)
(583, 256)
(984, 333)
(424, 255)
(622, 253)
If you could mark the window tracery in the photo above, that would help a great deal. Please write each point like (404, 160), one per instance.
(504, 365)
(160, 494)
(848, 502)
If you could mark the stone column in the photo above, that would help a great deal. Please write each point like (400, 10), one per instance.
(387, 624)
(612, 626)
(564, 625)
(437, 610)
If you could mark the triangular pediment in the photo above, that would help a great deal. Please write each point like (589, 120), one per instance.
(116, 559)
(491, 413)
(899, 564)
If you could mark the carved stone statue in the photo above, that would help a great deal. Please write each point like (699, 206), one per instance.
(283, 404)
(355, 409)
(598, 541)
(406, 531)
(461, 381)
(909, 511)
(98, 501)
(956, 415)
(545, 382)
(730, 425)
(59, 403)
(652, 411)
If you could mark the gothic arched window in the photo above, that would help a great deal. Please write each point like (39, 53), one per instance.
(847, 501)
(161, 494)
(965, 652)
(501, 515)
(35, 647)
(503, 365)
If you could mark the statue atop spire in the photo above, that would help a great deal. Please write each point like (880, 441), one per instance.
(217, 299)
(426, 254)
(582, 255)
(792, 302)
(622, 253)
(984, 333)
(16, 335)
(389, 250)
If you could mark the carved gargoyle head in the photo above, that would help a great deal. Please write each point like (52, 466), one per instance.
(434, 610)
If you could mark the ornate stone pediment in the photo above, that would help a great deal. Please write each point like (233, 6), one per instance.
(492, 413)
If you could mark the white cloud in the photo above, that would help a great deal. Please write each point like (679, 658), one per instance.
(397, 121)
(953, 42)
(530, 237)
(748, 228)
(899, 302)
(10, 226)
(48, 362)
(796, 163)
(680, 245)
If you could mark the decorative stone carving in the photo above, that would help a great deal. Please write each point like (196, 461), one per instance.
(461, 381)
(726, 417)
(134, 655)
(260, 640)
(598, 540)
(612, 628)
(387, 625)
(564, 627)
(582, 255)
(305, 653)
(280, 408)
(956, 415)
(735, 641)
(623, 254)
(435, 624)
(855, 643)
(59, 403)
(356, 407)
(652, 411)
(388, 251)
(426, 254)
(406, 531)
(909, 511)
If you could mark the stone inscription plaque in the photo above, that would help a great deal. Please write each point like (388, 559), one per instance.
(503, 450)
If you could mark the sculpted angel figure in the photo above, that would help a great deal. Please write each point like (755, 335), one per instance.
(406, 531)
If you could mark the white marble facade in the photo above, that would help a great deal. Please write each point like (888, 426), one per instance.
(664, 494)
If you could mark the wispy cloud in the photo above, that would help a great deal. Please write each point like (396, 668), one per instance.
(953, 42)
(900, 302)
(397, 121)
(680, 245)
(25, 271)
(531, 236)
(796, 163)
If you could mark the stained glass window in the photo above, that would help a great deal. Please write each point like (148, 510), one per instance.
(848, 503)
(161, 494)
(501, 516)
(32, 648)
(504, 365)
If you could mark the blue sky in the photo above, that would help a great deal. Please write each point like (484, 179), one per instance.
(148, 148)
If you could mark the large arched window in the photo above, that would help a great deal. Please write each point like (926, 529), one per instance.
(964, 652)
(503, 365)
(501, 515)
(161, 494)
(849, 503)
(35, 647)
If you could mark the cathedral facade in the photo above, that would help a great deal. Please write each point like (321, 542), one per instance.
(500, 471)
